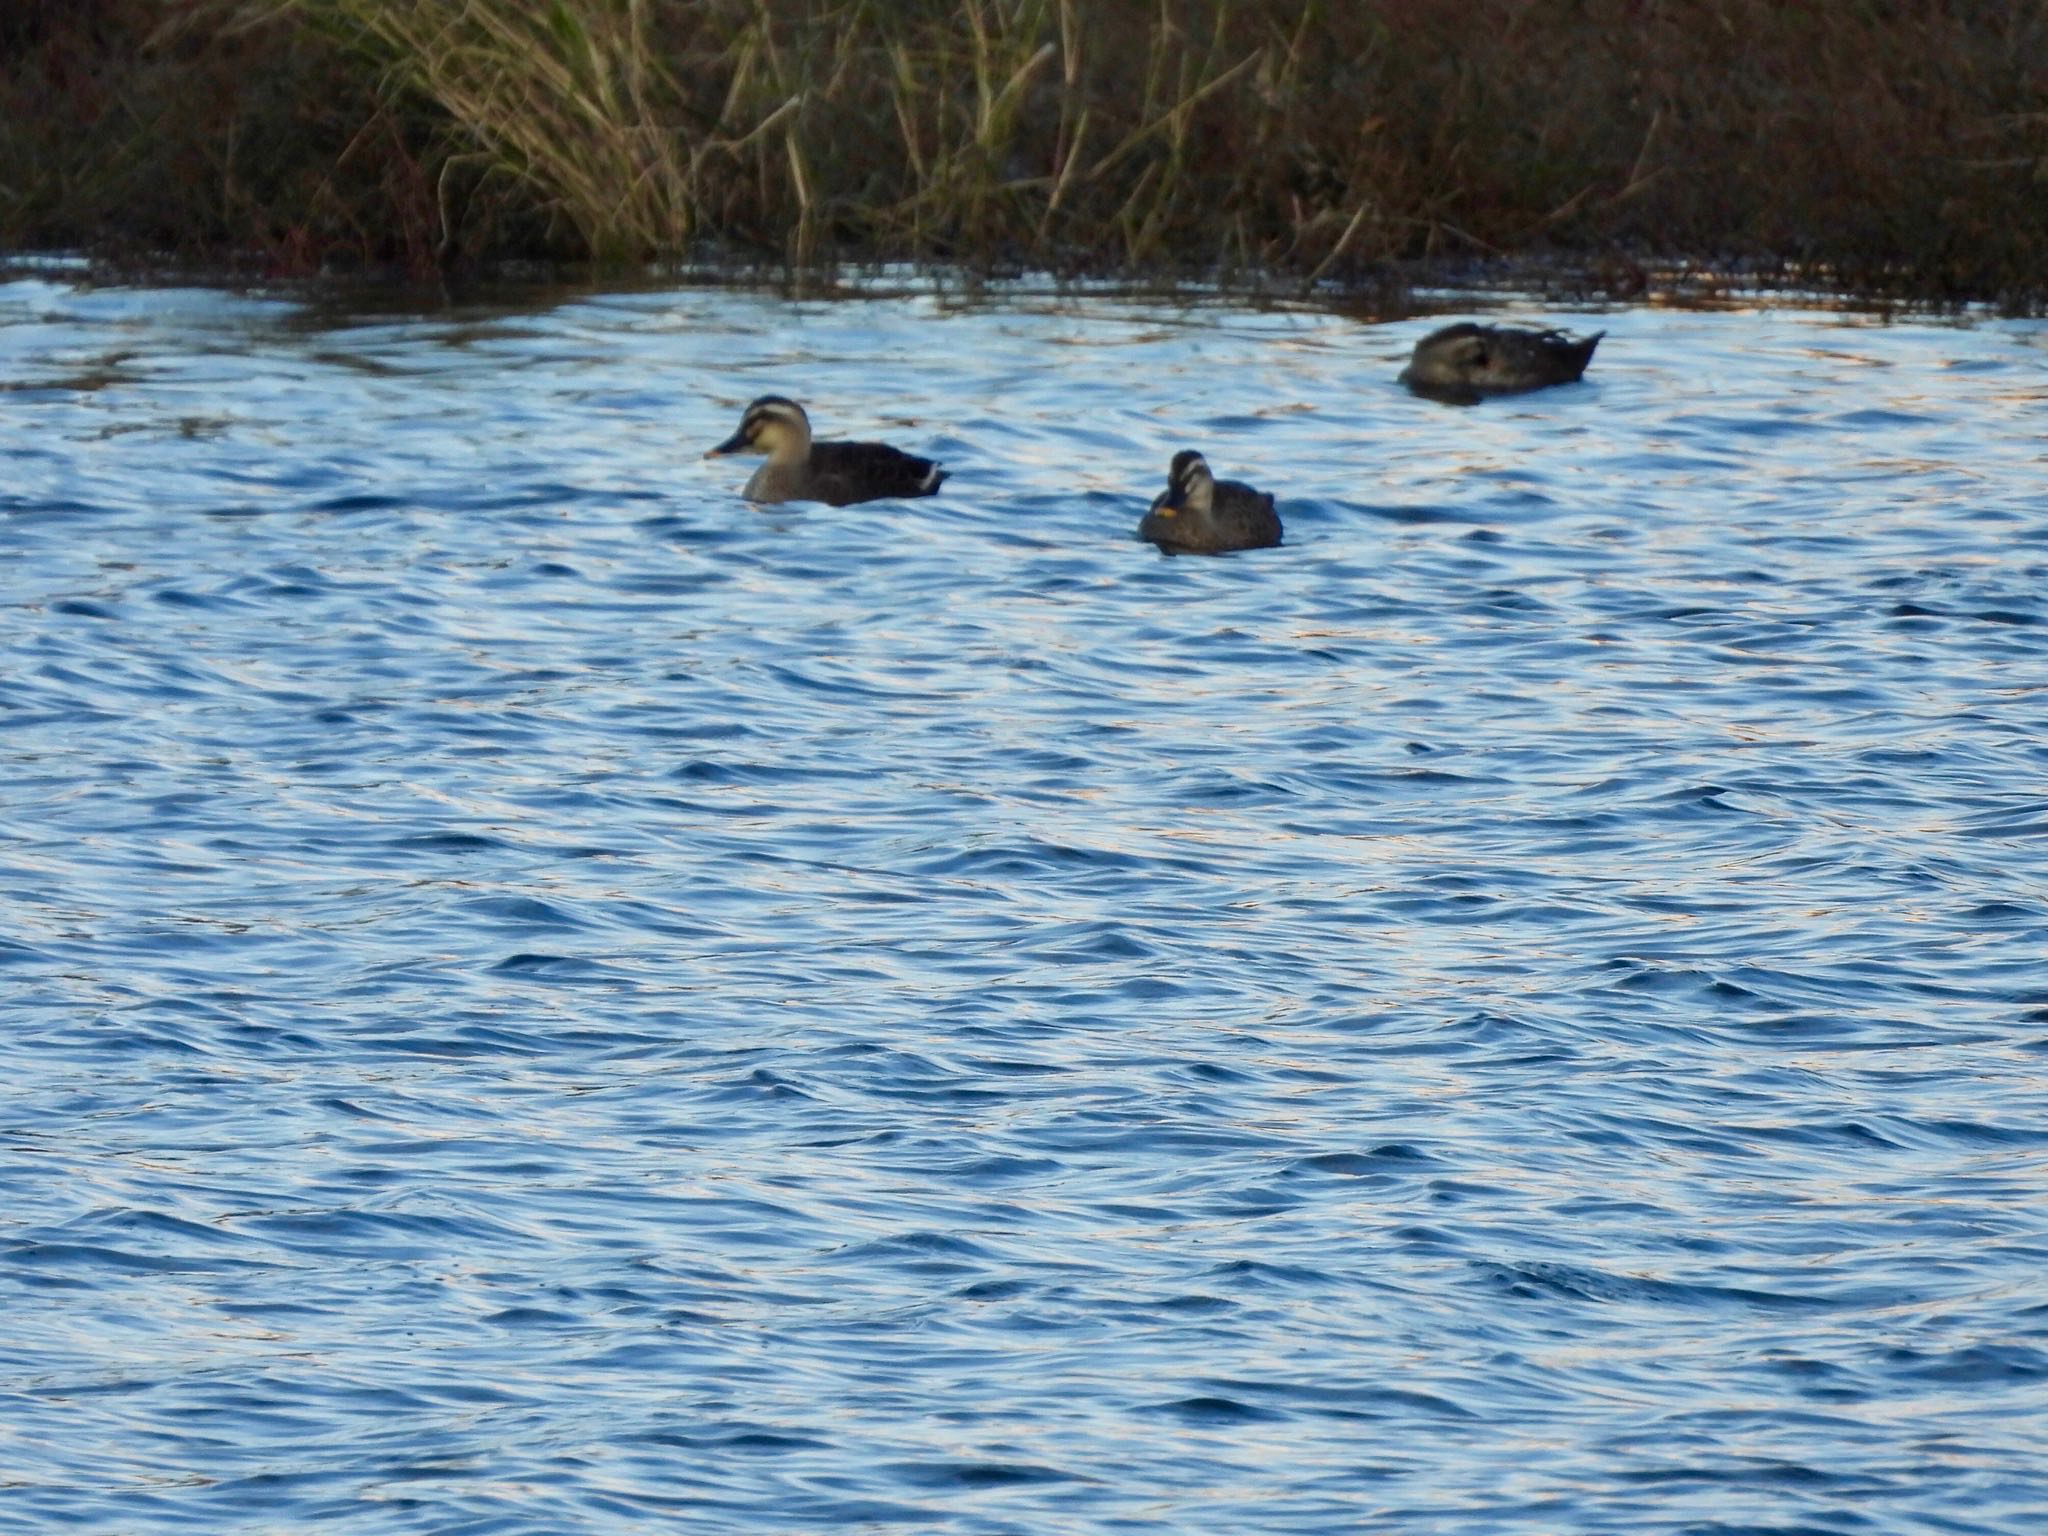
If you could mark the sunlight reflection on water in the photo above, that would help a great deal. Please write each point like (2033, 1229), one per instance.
(546, 997)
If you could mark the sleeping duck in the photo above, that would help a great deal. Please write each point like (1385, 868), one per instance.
(1465, 362)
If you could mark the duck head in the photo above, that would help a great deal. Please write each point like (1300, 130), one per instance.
(1189, 486)
(772, 425)
(1456, 356)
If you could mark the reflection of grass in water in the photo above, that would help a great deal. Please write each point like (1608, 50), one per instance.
(1889, 144)
(87, 376)
(68, 383)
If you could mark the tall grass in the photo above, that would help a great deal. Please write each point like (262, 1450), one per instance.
(1895, 144)
(571, 100)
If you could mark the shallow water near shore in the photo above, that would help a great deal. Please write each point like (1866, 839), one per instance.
(537, 996)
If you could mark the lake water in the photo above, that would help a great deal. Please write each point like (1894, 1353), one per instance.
(540, 997)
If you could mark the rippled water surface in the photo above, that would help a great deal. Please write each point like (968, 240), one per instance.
(536, 996)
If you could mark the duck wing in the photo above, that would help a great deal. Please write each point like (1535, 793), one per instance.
(1462, 364)
(844, 473)
(1239, 517)
(1568, 355)
(1246, 515)
(1533, 359)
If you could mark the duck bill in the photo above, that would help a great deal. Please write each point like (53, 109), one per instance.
(734, 444)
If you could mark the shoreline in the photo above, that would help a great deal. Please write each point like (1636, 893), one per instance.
(1894, 154)
(1416, 290)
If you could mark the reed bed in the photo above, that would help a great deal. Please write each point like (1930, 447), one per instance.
(1898, 146)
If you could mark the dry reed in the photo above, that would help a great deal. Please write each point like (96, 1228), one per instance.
(1891, 144)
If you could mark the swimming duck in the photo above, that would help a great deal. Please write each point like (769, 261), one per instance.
(836, 473)
(1197, 514)
(1464, 362)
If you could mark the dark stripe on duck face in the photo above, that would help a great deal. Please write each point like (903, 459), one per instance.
(775, 408)
(1189, 484)
(761, 419)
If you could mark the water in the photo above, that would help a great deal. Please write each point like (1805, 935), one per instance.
(541, 998)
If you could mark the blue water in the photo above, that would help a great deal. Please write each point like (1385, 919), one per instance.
(539, 997)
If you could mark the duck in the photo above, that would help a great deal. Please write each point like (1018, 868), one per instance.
(1197, 514)
(839, 474)
(1465, 362)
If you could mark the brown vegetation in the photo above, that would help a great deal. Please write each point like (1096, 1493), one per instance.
(1898, 146)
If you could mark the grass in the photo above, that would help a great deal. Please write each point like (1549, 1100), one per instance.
(1891, 146)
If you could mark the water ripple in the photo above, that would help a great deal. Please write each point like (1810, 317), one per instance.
(541, 997)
